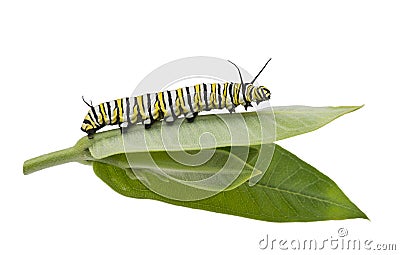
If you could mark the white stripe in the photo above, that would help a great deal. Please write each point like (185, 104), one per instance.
(125, 108)
(93, 118)
(131, 106)
(192, 92)
(186, 106)
(174, 98)
(185, 98)
(96, 109)
(145, 106)
(241, 101)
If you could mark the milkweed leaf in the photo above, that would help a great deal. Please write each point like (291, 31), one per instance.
(291, 190)
(288, 120)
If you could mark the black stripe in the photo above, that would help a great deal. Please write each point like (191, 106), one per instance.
(91, 117)
(225, 92)
(189, 99)
(128, 111)
(95, 115)
(264, 94)
(116, 107)
(149, 108)
(169, 98)
(230, 92)
(163, 100)
(251, 93)
(205, 96)
(170, 104)
(194, 98)
(258, 93)
(157, 103)
(85, 121)
(219, 96)
(244, 94)
(109, 111)
(122, 108)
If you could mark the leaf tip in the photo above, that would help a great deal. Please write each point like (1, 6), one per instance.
(359, 106)
(364, 216)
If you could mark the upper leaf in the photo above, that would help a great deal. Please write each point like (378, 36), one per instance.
(288, 120)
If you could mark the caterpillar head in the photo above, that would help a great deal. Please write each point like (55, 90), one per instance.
(258, 93)
(87, 127)
(263, 93)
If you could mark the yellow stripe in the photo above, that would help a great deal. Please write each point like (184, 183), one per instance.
(141, 110)
(121, 117)
(156, 110)
(86, 126)
(197, 99)
(239, 92)
(226, 94)
(162, 105)
(249, 97)
(89, 119)
(235, 94)
(103, 112)
(213, 96)
(114, 116)
(181, 102)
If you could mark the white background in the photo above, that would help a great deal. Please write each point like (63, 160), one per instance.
(324, 54)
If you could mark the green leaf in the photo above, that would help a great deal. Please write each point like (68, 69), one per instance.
(291, 190)
(289, 121)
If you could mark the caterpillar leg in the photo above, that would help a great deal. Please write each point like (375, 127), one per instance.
(90, 134)
(147, 123)
(247, 105)
(122, 127)
(191, 116)
(169, 120)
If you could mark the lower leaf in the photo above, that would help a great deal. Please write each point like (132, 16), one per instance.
(290, 190)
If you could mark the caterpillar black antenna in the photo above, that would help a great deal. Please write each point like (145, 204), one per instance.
(240, 75)
(90, 105)
(262, 69)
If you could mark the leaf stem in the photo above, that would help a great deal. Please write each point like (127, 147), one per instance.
(72, 154)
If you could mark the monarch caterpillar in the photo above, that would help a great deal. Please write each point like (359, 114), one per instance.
(169, 105)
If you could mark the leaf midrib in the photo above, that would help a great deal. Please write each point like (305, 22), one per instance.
(304, 195)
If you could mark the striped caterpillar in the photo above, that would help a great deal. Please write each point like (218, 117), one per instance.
(169, 105)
